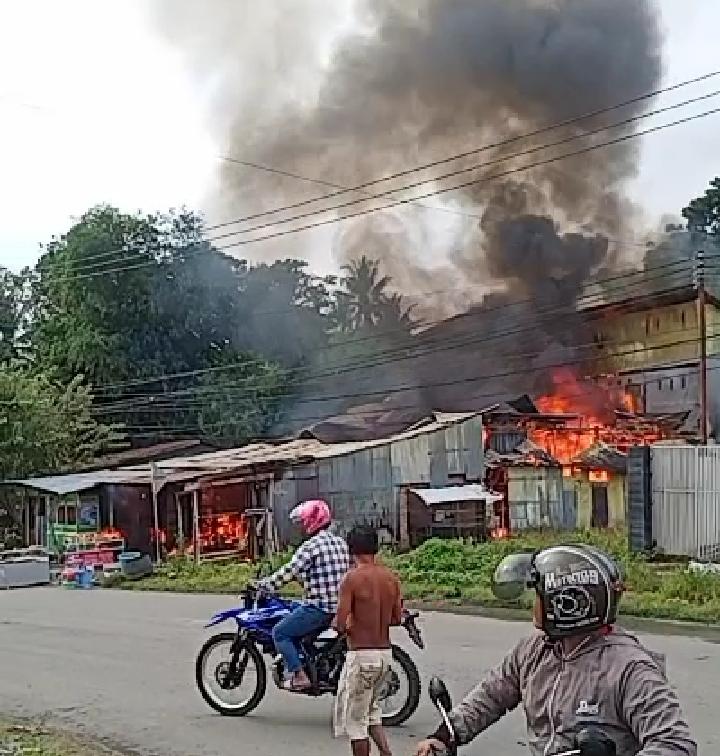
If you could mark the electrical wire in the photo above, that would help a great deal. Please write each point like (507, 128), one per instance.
(442, 190)
(332, 369)
(483, 148)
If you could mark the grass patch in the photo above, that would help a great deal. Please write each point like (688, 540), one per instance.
(30, 740)
(460, 572)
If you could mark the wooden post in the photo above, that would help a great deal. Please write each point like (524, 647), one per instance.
(156, 518)
(702, 336)
(180, 533)
(404, 535)
(269, 520)
(196, 523)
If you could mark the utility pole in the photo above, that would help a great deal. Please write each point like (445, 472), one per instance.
(702, 335)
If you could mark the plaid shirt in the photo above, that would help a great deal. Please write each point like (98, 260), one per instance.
(320, 565)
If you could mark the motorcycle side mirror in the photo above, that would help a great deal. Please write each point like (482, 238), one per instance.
(512, 576)
(439, 695)
(592, 741)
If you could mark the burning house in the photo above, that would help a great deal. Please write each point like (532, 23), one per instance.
(236, 501)
(560, 461)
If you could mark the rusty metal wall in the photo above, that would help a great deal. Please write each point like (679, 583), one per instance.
(685, 489)
(535, 497)
(363, 487)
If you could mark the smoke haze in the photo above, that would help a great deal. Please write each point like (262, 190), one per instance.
(347, 92)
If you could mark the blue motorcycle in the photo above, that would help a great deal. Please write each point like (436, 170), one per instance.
(232, 677)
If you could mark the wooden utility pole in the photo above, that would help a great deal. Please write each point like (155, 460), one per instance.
(702, 335)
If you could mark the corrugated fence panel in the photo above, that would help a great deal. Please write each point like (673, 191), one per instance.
(708, 533)
(686, 500)
(535, 497)
(639, 499)
(411, 460)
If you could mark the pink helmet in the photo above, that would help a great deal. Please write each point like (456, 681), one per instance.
(312, 516)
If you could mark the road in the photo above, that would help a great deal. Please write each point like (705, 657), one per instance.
(120, 666)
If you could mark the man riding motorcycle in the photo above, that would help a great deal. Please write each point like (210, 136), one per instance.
(577, 669)
(320, 564)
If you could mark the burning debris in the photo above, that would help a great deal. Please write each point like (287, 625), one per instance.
(565, 425)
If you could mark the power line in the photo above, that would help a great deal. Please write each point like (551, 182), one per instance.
(384, 392)
(488, 311)
(299, 177)
(421, 351)
(494, 395)
(469, 169)
(483, 148)
(442, 190)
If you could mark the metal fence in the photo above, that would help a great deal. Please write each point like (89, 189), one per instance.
(685, 495)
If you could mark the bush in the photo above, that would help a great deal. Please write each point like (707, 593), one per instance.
(458, 571)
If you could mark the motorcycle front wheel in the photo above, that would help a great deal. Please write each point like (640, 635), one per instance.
(231, 695)
(402, 692)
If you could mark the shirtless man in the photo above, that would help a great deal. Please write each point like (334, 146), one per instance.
(369, 604)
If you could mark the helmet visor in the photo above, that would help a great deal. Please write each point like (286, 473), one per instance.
(512, 577)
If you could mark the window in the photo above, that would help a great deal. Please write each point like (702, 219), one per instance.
(682, 317)
(647, 326)
(657, 324)
(683, 382)
(671, 386)
(660, 385)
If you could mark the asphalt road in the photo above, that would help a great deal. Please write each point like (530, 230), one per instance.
(121, 666)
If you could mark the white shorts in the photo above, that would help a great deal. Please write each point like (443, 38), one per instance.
(357, 704)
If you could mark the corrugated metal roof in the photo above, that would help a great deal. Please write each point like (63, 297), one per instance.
(228, 461)
(76, 482)
(299, 450)
(601, 456)
(449, 494)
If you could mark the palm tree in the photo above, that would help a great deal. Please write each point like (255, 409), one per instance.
(365, 302)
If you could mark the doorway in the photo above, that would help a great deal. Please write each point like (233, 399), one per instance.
(600, 515)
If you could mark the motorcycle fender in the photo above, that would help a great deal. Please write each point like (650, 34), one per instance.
(221, 617)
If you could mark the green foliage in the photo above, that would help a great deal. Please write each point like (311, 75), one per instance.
(703, 213)
(45, 427)
(240, 403)
(364, 301)
(460, 572)
(121, 298)
(12, 301)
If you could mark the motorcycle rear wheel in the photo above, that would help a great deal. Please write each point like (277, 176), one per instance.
(407, 666)
(213, 699)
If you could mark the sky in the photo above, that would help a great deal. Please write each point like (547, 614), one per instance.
(96, 107)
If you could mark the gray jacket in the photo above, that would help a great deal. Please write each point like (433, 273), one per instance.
(611, 680)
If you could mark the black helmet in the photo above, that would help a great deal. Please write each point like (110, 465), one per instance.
(579, 586)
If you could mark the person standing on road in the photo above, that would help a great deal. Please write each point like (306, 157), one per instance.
(577, 669)
(320, 565)
(370, 604)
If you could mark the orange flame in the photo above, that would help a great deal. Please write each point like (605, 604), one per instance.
(590, 418)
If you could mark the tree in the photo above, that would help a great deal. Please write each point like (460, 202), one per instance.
(240, 403)
(364, 301)
(11, 302)
(285, 312)
(170, 306)
(97, 293)
(703, 213)
(45, 427)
